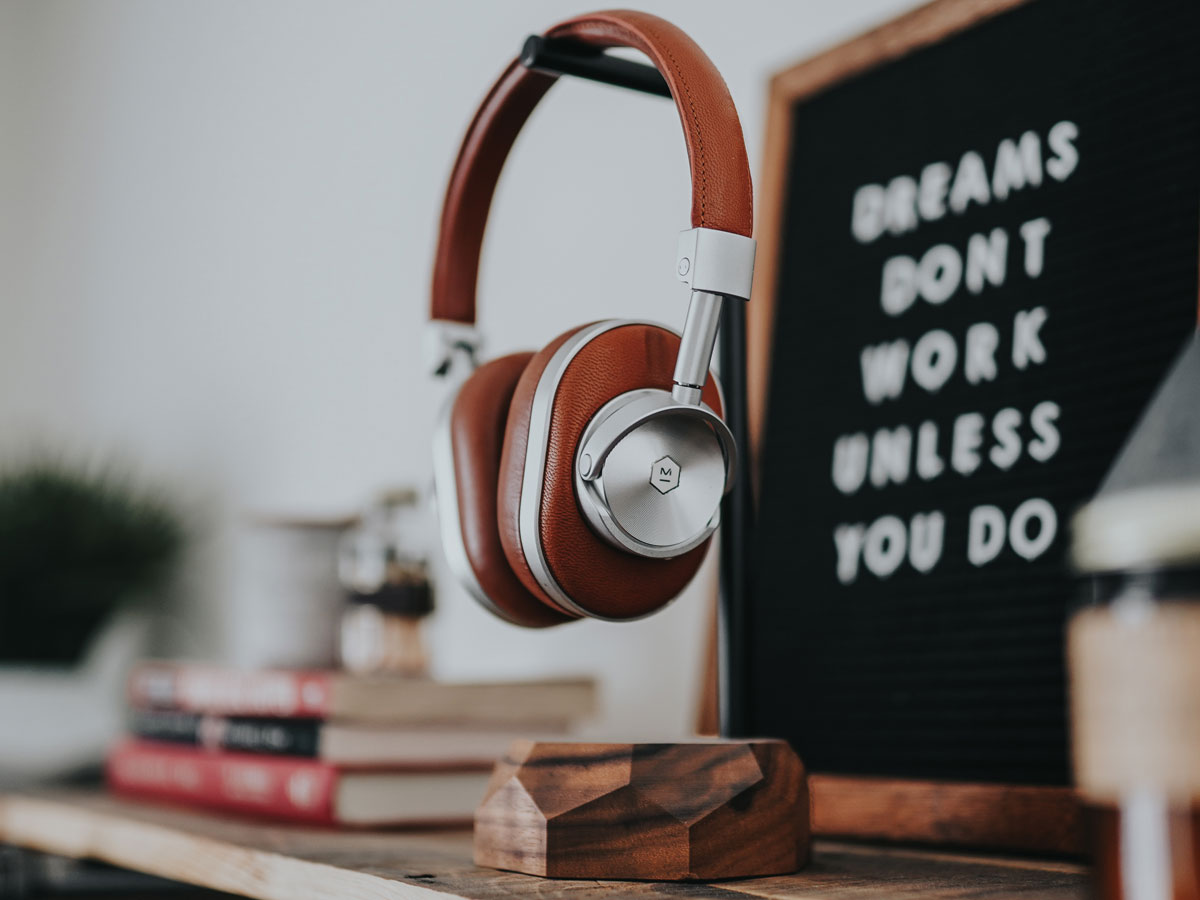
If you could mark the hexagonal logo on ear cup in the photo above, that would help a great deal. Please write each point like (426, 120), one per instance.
(664, 475)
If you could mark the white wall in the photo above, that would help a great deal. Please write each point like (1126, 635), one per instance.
(216, 224)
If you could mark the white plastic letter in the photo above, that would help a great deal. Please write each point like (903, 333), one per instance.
(985, 535)
(1066, 157)
(931, 195)
(1034, 234)
(899, 288)
(929, 464)
(987, 259)
(883, 369)
(850, 462)
(968, 435)
(866, 221)
(901, 208)
(890, 455)
(849, 540)
(980, 363)
(926, 539)
(1008, 443)
(1017, 166)
(1025, 546)
(1027, 342)
(933, 359)
(885, 546)
(940, 273)
(1047, 442)
(970, 183)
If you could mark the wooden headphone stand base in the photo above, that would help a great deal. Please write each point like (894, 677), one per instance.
(698, 810)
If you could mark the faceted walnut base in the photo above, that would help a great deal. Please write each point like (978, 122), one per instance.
(700, 810)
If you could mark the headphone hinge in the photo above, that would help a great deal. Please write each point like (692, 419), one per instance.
(716, 265)
(716, 262)
(448, 344)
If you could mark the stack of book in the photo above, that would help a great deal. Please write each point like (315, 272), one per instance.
(328, 747)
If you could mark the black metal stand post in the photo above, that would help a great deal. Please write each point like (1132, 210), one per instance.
(563, 57)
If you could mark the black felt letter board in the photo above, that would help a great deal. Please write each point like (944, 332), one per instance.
(988, 258)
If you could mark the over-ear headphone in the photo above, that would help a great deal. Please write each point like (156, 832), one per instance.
(586, 479)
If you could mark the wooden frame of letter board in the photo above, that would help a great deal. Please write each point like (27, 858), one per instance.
(1000, 816)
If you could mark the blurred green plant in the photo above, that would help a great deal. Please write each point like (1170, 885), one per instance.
(75, 545)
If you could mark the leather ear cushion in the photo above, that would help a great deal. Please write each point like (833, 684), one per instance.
(601, 579)
(477, 422)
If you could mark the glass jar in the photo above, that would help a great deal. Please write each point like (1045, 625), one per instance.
(1134, 651)
(1134, 657)
(383, 566)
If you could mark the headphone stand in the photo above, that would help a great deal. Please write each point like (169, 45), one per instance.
(565, 57)
(559, 56)
(695, 810)
(698, 810)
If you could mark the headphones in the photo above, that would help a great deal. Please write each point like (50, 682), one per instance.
(585, 480)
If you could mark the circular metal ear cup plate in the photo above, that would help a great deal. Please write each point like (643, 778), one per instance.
(650, 473)
(664, 480)
(541, 516)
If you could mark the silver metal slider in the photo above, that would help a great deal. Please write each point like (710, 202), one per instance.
(447, 343)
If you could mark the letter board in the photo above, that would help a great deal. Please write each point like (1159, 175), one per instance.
(978, 254)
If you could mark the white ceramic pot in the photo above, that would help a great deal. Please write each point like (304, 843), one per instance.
(58, 720)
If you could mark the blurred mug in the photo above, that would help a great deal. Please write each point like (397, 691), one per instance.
(287, 600)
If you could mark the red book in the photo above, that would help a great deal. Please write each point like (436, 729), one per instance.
(285, 693)
(209, 688)
(297, 789)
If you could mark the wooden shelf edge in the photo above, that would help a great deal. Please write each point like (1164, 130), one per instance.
(269, 861)
(68, 829)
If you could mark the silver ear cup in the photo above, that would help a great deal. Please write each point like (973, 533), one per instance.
(663, 482)
(650, 473)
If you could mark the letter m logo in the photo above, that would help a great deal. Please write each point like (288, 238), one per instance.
(664, 475)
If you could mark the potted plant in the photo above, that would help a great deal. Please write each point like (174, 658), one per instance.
(81, 553)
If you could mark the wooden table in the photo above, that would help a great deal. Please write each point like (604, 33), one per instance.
(274, 862)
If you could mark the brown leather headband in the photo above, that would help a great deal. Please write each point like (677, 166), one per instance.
(722, 197)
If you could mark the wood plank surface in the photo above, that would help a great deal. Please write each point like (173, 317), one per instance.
(275, 862)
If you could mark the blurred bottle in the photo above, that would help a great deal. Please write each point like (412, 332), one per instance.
(1135, 676)
(383, 566)
(1134, 653)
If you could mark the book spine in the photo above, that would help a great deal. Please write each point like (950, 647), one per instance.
(283, 737)
(269, 786)
(210, 689)
(166, 725)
